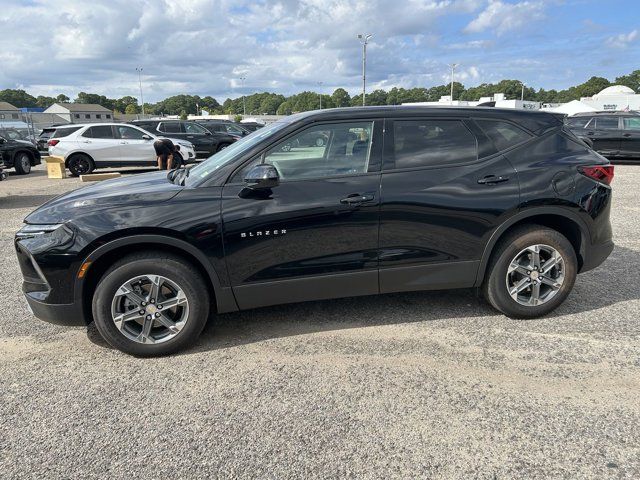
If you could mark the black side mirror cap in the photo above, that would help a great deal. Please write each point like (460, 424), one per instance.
(263, 176)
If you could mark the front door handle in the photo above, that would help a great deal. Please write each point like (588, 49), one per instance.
(626, 134)
(356, 198)
(591, 133)
(491, 179)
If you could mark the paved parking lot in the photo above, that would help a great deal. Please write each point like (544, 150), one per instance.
(417, 385)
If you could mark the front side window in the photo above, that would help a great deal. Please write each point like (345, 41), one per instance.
(233, 129)
(631, 123)
(577, 122)
(423, 143)
(323, 151)
(503, 134)
(170, 127)
(607, 123)
(99, 131)
(194, 128)
(129, 133)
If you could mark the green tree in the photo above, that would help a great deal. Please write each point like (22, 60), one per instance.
(94, 98)
(17, 98)
(44, 102)
(131, 109)
(632, 81)
(377, 97)
(341, 98)
(62, 98)
(183, 115)
(121, 104)
(285, 108)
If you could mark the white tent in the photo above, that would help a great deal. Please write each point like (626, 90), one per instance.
(573, 107)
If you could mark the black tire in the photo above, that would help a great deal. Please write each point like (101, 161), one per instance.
(495, 283)
(80, 164)
(173, 268)
(22, 163)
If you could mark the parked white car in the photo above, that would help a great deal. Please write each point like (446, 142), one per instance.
(99, 145)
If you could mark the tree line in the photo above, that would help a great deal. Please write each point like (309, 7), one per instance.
(272, 103)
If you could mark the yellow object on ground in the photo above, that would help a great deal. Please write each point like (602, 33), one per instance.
(95, 177)
(55, 167)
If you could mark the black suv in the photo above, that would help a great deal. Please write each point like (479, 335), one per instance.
(18, 154)
(206, 142)
(613, 134)
(396, 199)
(224, 126)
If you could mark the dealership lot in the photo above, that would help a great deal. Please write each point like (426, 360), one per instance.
(407, 385)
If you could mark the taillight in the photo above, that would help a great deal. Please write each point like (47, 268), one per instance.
(53, 143)
(599, 173)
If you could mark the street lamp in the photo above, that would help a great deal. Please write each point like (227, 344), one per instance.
(522, 95)
(453, 70)
(139, 70)
(244, 105)
(320, 94)
(364, 39)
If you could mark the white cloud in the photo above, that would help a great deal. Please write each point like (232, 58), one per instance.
(622, 40)
(503, 17)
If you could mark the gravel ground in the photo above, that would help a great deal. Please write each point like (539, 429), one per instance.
(419, 385)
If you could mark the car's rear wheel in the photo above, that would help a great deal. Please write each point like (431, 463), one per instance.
(531, 272)
(150, 304)
(22, 163)
(80, 164)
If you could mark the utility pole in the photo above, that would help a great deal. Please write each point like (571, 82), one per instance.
(453, 70)
(244, 105)
(320, 94)
(139, 70)
(364, 39)
(522, 95)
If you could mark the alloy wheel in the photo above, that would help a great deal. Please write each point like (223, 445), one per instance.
(535, 275)
(149, 309)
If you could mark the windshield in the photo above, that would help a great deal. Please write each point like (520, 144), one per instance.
(225, 156)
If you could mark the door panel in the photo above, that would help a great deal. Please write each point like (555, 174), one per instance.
(630, 139)
(434, 220)
(133, 147)
(304, 239)
(606, 135)
(99, 142)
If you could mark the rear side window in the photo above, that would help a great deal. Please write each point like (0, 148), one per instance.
(503, 134)
(607, 123)
(99, 131)
(631, 123)
(423, 143)
(63, 132)
(170, 127)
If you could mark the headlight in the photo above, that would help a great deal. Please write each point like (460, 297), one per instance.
(28, 230)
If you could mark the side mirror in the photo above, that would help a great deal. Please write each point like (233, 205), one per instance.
(262, 177)
(2, 140)
(207, 133)
(147, 137)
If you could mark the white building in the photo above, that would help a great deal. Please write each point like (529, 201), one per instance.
(498, 100)
(616, 97)
(81, 112)
(8, 112)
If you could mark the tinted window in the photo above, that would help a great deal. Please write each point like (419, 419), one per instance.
(170, 127)
(631, 123)
(323, 151)
(578, 122)
(503, 134)
(99, 131)
(607, 123)
(419, 143)
(129, 133)
(194, 128)
(63, 132)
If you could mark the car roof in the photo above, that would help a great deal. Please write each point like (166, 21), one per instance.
(614, 113)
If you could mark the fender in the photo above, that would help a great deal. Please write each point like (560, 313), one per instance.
(523, 215)
(225, 301)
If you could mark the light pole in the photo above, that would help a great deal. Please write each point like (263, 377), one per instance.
(139, 70)
(244, 105)
(453, 70)
(364, 39)
(320, 94)
(522, 95)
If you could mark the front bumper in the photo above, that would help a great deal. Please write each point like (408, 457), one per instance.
(60, 314)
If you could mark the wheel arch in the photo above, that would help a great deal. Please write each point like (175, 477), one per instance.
(566, 222)
(75, 154)
(103, 257)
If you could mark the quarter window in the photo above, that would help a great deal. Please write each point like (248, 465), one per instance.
(607, 123)
(503, 134)
(324, 151)
(631, 123)
(99, 131)
(423, 143)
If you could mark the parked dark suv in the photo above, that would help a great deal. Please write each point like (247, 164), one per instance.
(613, 134)
(206, 142)
(20, 155)
(396, 199)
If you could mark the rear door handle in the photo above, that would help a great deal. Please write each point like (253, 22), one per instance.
(491, 179)
(626, 134)
(356, 198)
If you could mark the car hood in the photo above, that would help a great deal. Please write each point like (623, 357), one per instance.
(135, 190)
(24, 142)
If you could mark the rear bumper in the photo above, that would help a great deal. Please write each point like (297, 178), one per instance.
(595, 255)
(59, 314)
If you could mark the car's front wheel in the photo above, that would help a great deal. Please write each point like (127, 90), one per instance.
(531, 272)
(150, 304)
(22, 163)
(80, 164)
